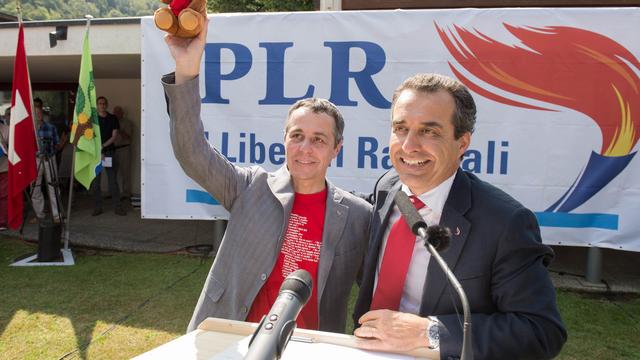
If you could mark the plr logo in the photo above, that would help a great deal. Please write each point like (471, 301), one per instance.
(570, 67)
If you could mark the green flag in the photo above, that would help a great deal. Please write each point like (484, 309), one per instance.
(85, 132)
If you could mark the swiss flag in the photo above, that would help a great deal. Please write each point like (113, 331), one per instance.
(22, 137)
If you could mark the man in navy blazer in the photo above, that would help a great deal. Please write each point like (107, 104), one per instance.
(496, 251)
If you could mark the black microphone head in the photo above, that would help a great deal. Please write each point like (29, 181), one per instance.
(439, 237)
(409, 212)
(300, 283)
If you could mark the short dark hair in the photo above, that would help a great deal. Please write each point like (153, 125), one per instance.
(464, 116)
(320, 106)
(37, 102)
(105, 100)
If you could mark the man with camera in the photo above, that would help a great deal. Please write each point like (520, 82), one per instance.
(47, 142)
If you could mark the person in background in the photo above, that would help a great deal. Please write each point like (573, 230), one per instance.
(37, 103)
(109, 133)
(64, 156)
(124, 144)
(63, 134)
(7, 116)
(46, 167)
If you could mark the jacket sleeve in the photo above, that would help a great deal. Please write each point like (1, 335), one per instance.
(527, 323)
(199, 160)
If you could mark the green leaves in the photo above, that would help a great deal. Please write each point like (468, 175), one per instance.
(258, 5)
(80, 100)
(76, 9)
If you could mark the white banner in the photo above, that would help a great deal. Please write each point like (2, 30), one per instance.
(557, 91)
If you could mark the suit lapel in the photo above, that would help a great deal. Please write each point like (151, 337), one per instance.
(280, 184)
(384, 212)
(281, 187)
(335, 219)
(384, 205)
(457, 204)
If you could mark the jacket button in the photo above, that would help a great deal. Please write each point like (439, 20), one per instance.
(263, 277)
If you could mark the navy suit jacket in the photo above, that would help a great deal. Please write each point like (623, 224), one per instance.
(497, 255)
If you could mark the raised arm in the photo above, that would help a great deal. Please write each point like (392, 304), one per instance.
(199, 160)
(187, 53)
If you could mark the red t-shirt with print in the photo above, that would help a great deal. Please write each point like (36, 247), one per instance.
(300, 250)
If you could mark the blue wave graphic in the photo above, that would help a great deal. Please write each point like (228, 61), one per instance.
(599, 172)
(567, 220)
(199, 196)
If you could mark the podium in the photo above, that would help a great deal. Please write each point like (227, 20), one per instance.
(214, 335)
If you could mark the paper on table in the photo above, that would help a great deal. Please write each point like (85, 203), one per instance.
(309, 351)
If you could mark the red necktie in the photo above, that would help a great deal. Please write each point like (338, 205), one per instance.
(395, 263)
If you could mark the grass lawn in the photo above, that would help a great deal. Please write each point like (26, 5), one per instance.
(107, 306)
(600, 327)
(116, 305)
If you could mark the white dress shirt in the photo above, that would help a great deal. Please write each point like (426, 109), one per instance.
(434, 200)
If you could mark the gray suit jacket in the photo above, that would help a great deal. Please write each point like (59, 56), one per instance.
(260, 204)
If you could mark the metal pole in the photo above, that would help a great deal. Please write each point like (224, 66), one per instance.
(19, 11)
(593, 273)
(73, 162)
(66, 224)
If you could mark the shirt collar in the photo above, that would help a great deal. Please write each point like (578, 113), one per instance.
(435, 198)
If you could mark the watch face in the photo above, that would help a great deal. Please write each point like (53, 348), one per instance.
(433, 332)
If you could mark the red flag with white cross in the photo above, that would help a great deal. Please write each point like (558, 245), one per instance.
(22, 138)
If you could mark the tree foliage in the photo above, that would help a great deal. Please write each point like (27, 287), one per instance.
(76, 9)
(258, 5)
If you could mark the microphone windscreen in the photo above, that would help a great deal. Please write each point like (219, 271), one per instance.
(409, 212)
(300, 283)
(439, 237)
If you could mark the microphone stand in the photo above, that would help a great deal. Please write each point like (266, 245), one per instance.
(467, 347)
(438, 237)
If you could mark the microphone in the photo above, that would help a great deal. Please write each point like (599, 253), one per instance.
(437, 238)
(275, 329)
(435, 235)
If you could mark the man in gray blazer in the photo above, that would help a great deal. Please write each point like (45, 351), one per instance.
(270, 210)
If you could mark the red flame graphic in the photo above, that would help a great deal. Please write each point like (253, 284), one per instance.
(565, 66)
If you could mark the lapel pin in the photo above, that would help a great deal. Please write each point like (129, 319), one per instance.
(457, 231)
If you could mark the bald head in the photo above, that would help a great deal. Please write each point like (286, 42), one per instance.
(118, 111)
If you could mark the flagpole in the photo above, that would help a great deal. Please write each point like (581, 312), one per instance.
(66, 223)
(19, 10)
(72, 175)
(35, 129)
(28, 191)
(23, 169)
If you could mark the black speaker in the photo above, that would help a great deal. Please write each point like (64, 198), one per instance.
(59, 34)
(49, 243)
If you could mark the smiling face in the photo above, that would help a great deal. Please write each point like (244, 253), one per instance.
(422, 147)
(310, 146)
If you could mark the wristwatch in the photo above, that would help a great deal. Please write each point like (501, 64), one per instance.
(433, 333)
